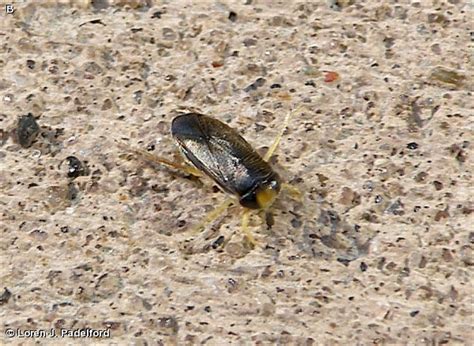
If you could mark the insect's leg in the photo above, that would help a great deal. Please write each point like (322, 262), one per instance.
(266, 217)
(272, 149)
(245, 227)
(213, 214)
(293, 191)
(162, 161)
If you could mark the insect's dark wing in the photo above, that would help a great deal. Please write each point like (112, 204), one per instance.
(219, 151)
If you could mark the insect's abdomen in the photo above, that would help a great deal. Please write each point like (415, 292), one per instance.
(220, 152)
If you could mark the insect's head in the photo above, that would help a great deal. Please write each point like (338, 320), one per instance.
(263, 195)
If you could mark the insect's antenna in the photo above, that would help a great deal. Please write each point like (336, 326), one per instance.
(277, 140)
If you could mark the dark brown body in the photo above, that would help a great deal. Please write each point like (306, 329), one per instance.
(221, 153)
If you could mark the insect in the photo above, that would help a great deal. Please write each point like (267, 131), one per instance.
(214, 149)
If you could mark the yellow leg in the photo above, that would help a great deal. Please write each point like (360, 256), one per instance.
(159, 160)
(213, 214)
(245, 227)
(277, 140)
(294, 191)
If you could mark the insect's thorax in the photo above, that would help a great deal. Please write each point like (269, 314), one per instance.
(262, 194)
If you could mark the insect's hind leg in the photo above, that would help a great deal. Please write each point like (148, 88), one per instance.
(162, 161)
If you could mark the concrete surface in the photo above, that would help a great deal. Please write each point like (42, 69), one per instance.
(379, 249)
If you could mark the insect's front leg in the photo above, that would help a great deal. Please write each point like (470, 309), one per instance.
(213, 214)
(294, 192)
(245, 227)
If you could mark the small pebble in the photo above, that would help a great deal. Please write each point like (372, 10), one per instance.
(27, 130)
(232, 16)
(169, 323)
(438, 185)
(75, 167)
(218, 242)
(30, 64)
(100, 4)
(249, 42)
(258, 83)
(169, 34)
(157, 15)
(446, 76)
(5, 296)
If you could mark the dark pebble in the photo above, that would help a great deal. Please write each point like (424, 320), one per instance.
(259, 127)
(157, 15)
(414, 313)
(30, 64)
(296, 223)
(396, 208)
(100, 4)
(438, 185)
(232, 285)
(275, 86)
(169, 323)
(218, 242)
(27, 130)
(421, 177)
(412, 146)
(471, 237)
(76, 167)
(5, 296)
(258, 83)
(363, 266)
(344, 261)
(249, 42)
(232, 16)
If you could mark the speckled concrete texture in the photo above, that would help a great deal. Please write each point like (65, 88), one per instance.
(377, 250)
